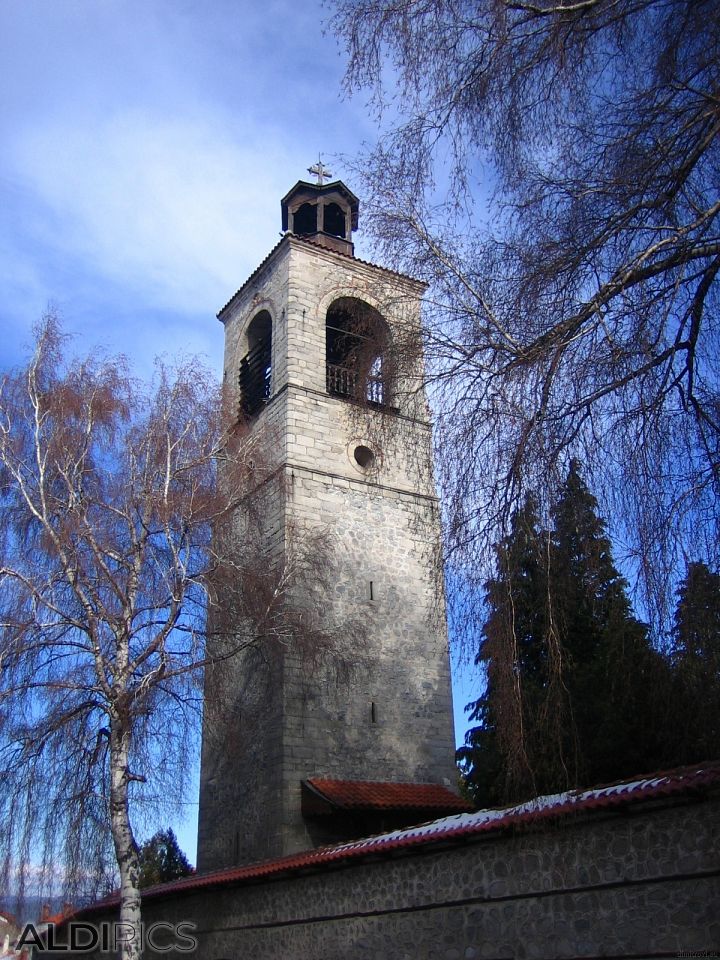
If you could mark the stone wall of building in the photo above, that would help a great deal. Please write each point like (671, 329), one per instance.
(379, 706)
(242, 745)
(640, 883)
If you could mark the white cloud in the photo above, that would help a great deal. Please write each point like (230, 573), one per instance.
(177, 207)
(145, 151)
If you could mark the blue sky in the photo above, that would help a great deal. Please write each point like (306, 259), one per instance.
(145, 149)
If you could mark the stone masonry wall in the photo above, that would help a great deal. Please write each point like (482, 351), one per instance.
(392, 719)
(242, 748)
(642, 883)
(390, 716)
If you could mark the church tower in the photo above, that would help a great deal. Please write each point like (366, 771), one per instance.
(322, 349)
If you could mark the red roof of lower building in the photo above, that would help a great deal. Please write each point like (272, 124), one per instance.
(374, 795)
(454, 829)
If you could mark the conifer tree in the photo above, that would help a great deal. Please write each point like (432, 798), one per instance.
(613, 674)
(697, 618)
(696, 655)
(501, 754)
(575, 690)
(162, 860)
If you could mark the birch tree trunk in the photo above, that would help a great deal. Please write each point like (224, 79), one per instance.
(126, 849)
(121, 578)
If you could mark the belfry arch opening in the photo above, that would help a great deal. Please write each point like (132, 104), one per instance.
(334, 220)
(256, 366)
(305, 220)
(357, 342)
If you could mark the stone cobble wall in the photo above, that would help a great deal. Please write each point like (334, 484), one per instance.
(242, 748)
(639, 884)
(389, 717)
(392, 719)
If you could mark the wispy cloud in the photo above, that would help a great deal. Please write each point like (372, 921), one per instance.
(145, 151)
(177, 209)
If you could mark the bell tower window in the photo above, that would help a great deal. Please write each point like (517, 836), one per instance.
(356, 352)
(256, 366)
(334, 221)
(305, 219)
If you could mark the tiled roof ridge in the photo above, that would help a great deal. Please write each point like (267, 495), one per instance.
(318, 246)
(383, 783)
(455, 827)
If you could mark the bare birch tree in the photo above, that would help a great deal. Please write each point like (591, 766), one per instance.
(573, 310)
(116, 580)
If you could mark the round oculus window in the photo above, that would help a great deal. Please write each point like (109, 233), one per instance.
(364, 457)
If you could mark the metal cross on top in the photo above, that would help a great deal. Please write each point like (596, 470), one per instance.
(320, 171)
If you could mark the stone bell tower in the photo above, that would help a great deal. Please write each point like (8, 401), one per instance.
(317, 344)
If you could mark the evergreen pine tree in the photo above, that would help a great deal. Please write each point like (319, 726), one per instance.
(502, 755)
(613, 675)
(696, 655)
(162, 860)
(575, 692)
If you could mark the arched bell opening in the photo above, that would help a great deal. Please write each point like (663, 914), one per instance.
(256, 366)
(334, 220)
(305, 219)
(357, 342)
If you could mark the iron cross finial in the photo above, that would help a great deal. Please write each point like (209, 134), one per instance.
(320, 171)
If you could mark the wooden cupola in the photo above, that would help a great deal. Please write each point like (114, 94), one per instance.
(324, 212)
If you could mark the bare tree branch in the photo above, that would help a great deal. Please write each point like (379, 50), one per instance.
(122, 576)
(552, 170)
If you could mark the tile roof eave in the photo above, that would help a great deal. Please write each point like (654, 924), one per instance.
(421, 285)
(389, 796)
(455, 829)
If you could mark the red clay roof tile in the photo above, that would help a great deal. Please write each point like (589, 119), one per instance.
(456, 828)
(373, 795)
